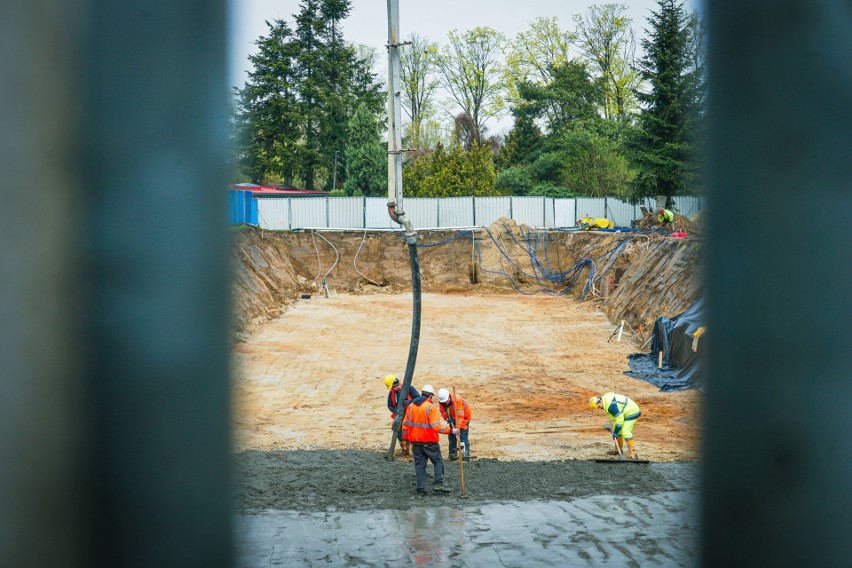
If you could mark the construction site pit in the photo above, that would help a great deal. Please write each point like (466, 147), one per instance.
(322, 318)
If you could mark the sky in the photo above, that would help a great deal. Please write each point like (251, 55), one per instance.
(430, 19)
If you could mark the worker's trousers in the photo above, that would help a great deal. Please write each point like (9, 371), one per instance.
(423, 453)
(454, 443)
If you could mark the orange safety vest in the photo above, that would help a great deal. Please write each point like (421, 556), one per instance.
(422, 423)
(450, 410)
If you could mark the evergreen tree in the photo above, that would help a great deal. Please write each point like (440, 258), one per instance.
(291, 118)
(365, 156)
(456, 173)
(667, 156)
(266, 121)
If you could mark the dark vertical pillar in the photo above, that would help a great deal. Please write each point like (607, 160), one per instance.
(114, 296)
(42, 387)
(777, 461)
(155, 153)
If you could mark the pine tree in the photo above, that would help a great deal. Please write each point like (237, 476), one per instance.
(365, 156)
(667, 154)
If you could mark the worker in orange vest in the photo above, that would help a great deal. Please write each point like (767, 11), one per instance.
(449, 407)
(393, 397)
(421, 427)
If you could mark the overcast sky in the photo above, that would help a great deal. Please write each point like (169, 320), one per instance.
(430, 19)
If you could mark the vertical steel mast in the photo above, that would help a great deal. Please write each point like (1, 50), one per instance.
(395, 206)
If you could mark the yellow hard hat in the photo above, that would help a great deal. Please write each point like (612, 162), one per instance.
(593, 402)
(389, 380)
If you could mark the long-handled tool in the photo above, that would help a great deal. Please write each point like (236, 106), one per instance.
(620, 457)
(461, 459)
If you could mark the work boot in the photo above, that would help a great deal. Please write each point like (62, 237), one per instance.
(439, 488)
(421, 493)
(467, 457)
(453, 457)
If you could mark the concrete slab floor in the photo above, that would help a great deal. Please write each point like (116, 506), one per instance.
(602, 530)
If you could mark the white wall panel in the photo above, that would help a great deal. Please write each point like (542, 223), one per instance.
(528, 211)
(308, 212)
(565, 213)
(590, 207)
(489, 209)
(422, 211)
(377, 214)
(687, 205)
(273, 213)
(346, 212)
(621, 212)
(456, 212)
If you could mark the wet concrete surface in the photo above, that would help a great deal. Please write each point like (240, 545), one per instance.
(355, 508)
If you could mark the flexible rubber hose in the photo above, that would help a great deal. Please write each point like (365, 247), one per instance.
(413, 346)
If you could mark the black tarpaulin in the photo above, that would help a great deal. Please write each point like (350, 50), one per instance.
(682, 345)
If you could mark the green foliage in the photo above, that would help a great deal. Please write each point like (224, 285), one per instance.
(292, 115)
(605, 38)
(472, 72)
(365, 156)
(594, 166)
(667, 152)
(456, 173)
(570, 96)
(522, 145)
(534, 54)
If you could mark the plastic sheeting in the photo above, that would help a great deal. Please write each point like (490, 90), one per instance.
(682, 363)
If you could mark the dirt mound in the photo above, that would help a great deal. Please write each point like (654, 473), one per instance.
(651, 221)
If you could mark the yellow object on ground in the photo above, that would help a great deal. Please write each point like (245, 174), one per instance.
(587, 223)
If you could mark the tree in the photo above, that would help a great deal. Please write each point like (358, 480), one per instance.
(667, 155)
(605, 38)
(594, 165)
(418, 66)
(365, 156)
(522, 145)
(451, 174)
(534, 53)
(472, 72)
(290, 119)
(266, 120)
(570, 96)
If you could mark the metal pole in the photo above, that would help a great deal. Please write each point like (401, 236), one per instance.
(394, 110)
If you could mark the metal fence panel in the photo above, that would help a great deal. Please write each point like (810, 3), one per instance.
(457, 212)
(590, 207)
(489, 209)
(549, 213)
(621, 212)
(687, 205)
(565, 212)
(309, 212)
(376, 213)
(423, 212)
(528, 211)
(346, 212)
(273, 213)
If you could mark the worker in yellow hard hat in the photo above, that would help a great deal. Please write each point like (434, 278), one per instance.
(393, 396)
(623, 413)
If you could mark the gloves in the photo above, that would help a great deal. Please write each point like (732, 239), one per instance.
(614, 436)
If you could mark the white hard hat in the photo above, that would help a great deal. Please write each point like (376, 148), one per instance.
(443, 395)
(427, 389)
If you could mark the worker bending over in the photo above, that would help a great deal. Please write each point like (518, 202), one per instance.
(393, 396)
(622, 412)
(666, 218)
(421, 427)
(456, 411)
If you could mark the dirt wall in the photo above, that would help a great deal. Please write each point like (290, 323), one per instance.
(653, 274)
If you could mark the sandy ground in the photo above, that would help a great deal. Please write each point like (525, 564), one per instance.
(313, 379)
